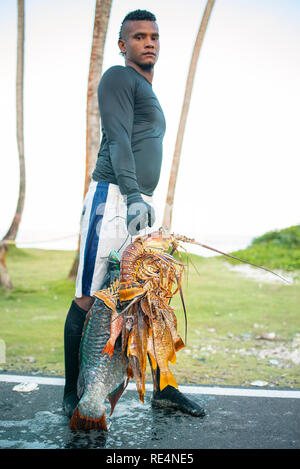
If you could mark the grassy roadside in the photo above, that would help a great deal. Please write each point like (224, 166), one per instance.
(32, 315)
(239, 330)
(279, 249)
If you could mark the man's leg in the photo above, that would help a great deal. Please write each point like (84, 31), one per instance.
(173, 398)
(72, 336)
(102, 230)
(92, 215)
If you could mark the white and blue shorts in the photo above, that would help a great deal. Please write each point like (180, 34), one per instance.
(103, 229)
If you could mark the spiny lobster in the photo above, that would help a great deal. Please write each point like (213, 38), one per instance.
(140, 301)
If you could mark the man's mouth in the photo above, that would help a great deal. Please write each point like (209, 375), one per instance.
(150, 53)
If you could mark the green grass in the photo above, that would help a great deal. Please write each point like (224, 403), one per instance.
(275, 249)
(226, 313)
(32, 314)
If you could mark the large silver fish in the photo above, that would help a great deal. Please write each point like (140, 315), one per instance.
(100, 375)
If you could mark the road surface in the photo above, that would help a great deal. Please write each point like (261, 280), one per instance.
(237, 418)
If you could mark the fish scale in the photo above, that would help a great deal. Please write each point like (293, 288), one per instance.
(99, 374)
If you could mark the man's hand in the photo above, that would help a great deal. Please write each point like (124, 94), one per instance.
(139, 214)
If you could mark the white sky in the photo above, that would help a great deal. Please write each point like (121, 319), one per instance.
(239, 171)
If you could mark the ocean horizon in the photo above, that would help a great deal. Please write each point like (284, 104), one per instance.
(66, 241)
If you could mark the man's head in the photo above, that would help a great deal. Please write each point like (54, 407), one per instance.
(139, 39)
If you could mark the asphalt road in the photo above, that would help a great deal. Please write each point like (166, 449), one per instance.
(35, 420)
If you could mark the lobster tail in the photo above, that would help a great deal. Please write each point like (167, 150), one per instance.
(109, 296)
(129, 290)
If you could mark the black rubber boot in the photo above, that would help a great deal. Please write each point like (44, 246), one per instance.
(72, 337)
(171, 397)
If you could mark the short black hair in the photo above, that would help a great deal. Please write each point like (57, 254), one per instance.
(137, 15)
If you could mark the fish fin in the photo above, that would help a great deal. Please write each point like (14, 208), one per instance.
(152, 361)
(114, 396)
(167, 379)
(81, 422)
(129, 343)
(172, 358)
(154, 376)
(141, 395)
(129, 372)
(109, 348)
(179, 344)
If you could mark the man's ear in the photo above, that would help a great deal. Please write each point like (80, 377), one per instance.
(122, 46)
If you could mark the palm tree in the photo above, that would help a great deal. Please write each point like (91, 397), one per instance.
(167, 218)
(5, 280)
(13, 229)
(102, 13)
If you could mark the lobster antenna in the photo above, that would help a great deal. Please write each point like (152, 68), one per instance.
(184, 309)
(185, 316)
(174, 249)
(130, 304)
(194, 265)
(192, 241)
(188, 259)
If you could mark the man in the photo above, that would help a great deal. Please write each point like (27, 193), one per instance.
(118, 203)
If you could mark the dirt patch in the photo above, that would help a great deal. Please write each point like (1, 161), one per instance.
(261, 275)
(283, 354)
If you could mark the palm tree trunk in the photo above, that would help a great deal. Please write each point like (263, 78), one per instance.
(102, 13)
(167, 218)
(5, 280)
(13, 229)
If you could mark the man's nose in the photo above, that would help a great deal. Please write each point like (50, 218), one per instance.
(149, 43)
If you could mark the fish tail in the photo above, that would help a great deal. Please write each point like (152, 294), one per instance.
(114, 396)
(167, 379)
(109, 348)
(178, 344)
(81, 422)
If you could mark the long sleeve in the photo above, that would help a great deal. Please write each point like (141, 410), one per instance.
(116, 104)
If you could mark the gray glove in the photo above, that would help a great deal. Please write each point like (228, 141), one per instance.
(139, 214)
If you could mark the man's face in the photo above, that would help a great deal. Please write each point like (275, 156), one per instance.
(140, 43)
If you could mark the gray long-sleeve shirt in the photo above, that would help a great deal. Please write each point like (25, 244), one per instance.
(133, 127)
